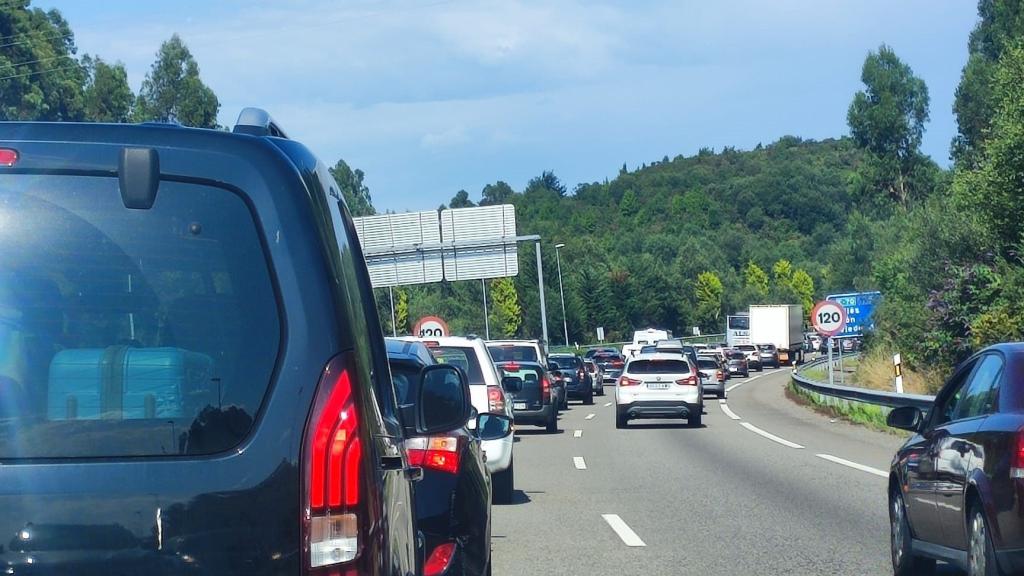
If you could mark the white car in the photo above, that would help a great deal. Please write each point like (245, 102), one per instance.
(517, 351)
(659, 386)
(487, 394)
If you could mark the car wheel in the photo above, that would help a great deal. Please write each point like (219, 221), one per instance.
(721, 395)
(981, 556)
(589, 400)
(504, 485)
(600, 391)
(694, 421)
(552, 426)
(621, 421)
(904, 562)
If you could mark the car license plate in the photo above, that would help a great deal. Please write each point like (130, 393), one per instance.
(519, 406)
(657, 385)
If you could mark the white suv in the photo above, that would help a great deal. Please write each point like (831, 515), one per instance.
(517, 351)
(659, 386)
(472, 356)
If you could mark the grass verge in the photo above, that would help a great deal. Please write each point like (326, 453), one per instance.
(865, 414)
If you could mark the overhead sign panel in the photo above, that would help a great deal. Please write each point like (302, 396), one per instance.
(401, 249)
(860, 306)
(479, 242)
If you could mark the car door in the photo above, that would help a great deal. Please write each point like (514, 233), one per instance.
(921, 474)
(956, 448)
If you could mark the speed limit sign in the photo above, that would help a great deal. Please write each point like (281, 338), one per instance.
(828, 317)
(430, 327)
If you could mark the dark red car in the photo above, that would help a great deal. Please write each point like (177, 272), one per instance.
(956, 488)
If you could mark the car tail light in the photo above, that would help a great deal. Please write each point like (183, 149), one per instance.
(545, 389)
(618, 363)
(579, 373)
(511, 366)
(334, 516)
(440, 559)
(720, 375)
(690, 380)
(495, 400)
(1017, 460)
(627, 381)
(8, 157)
(441, 453)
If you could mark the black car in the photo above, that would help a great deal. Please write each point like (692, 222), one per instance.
(568, 368)
(200, 383)
(955, 486)
(533, 402)
(453, 500)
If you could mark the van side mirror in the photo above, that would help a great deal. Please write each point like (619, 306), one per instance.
(513, 384)
(443, 403)
(905, 418)
(493, 426)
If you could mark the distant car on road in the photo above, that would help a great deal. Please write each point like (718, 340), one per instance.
(658, 386)
(753, 357)
(714, 375)
(596, 376)
(736, 363)
(955, 486)
(534, 402)
(611, 364)
(593, 351)
(517, 351)
(768, 354)
(569, 369)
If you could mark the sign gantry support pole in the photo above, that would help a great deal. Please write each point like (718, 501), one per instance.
(540, 288)
(487, 322)
(391, 296)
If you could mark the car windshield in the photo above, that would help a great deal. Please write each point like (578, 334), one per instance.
(658, 366)
(512, 353)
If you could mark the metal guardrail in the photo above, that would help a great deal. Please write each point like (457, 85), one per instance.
(865, 395)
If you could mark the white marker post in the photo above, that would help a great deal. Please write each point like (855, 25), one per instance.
(897, 366)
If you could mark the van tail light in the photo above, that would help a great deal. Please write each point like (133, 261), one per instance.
(690, 380)
(627, 381)
(441, 453)
(440, 559)
(1017, 460)
(334, 516)
(495, 400)
(545, 390)
(8, 157)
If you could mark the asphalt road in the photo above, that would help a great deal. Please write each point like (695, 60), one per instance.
(661, 498)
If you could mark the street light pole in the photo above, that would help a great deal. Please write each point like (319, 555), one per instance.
(561, 293)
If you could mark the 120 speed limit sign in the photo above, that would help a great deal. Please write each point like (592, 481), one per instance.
(430, 327)
(828, 317)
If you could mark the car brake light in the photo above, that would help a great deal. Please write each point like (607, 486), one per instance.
(495, 400)
(545, 390)
(440, 559)
(690, 380)
(720, 375)
(511, 366)
(627, 381)
(1017, 461)
(332, 464)
(439, 453)
(8, 157)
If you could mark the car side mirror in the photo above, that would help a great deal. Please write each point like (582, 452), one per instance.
(443, 403)
(493, 426)
(905, 418)
(513, 384)
(552, 367)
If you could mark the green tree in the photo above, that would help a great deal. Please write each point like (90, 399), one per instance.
(782, 270)
(629, 204)
(708, 291)
(353, 190)
(507, 314)
(887, 120)
(173, 90)
(755, 279)
(402, 311)
(108, 98)
(803, 287)
(547, 181)
(39, 76)
(461, 200)
(497, 193)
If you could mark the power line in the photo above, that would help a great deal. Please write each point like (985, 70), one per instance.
(16, 64)
(19, 42)
(58, 69)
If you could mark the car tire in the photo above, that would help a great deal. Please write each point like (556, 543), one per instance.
(589, 400)
(621, 421)
(904, 562)
(696, 417)
(981, 554)
(720, 395)
(503, 484)
(600, 391)
(552, 425)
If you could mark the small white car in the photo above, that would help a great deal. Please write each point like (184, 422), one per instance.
(659, 386)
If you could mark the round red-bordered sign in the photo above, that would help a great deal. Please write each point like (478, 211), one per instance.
(828, 317)
(430, 327)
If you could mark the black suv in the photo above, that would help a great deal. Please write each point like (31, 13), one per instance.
(193, 375)
(568, 368)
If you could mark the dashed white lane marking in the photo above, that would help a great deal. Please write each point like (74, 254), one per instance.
(769, 435)
(853, 465)
(607, 404)
(625, 533)
(579, 463)
(577, 433)
(728, 412)
(590, 416)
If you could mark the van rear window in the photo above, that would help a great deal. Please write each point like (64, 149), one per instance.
(130, 332)
(512, 353)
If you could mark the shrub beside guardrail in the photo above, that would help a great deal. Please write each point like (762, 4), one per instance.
(855, 394)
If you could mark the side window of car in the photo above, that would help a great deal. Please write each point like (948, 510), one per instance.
(949, 399)
(979, 395)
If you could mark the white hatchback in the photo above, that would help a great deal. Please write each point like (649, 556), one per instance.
(659, 386)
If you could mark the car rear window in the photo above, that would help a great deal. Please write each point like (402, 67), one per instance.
(606, 357)
(736, 355)
(746, 347)
(706, 363)
(513, 353)
(659, 366)
(528, 374)
(462, 356)
(130, 332)
(766, 347)
(565, 362)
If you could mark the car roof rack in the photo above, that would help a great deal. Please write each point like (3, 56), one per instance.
(257, 122)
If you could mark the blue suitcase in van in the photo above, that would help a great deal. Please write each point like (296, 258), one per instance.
(121, 383)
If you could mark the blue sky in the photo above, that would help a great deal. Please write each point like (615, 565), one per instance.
(432, 96)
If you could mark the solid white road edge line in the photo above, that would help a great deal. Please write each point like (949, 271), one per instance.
(590, 416)
(853, 465)
(728, 412)
(625, 533)
(579, 463)
(607, 404)
(769, 435)
(577, 433)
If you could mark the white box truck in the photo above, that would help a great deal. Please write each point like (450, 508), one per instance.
(781, 325)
